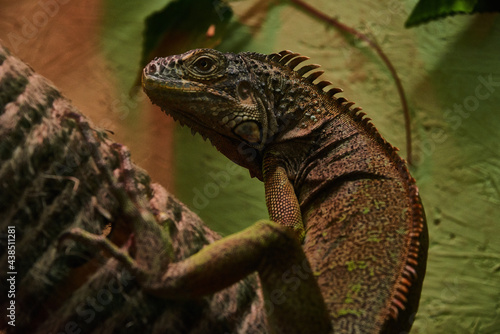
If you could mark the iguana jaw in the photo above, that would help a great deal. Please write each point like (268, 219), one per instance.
(176, 91)
(184, 100)
(172, 96)
(169, 95)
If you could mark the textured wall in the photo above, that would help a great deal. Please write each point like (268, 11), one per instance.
(450, 70)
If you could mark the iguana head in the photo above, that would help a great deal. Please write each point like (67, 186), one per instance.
(241, 102)
(216, 95)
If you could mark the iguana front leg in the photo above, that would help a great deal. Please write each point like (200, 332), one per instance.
(292, 298)
(281, 200)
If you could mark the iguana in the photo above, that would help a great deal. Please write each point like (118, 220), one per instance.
(346, 245)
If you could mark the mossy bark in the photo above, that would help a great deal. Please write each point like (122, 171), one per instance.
(50, 183)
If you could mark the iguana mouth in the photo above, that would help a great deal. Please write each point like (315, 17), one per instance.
(152, 82)
(157, 89)
(176, 89)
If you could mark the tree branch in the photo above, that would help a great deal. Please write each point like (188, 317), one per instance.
(50, 183)
(374, 45)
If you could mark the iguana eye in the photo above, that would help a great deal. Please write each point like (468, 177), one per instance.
(204, 64)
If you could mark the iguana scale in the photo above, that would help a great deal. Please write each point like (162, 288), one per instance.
(328, 174)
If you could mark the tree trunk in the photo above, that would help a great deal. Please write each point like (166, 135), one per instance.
(50, 183)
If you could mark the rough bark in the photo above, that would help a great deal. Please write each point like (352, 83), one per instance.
(50, 183)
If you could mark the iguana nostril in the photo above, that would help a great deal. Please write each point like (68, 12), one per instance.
(151, 68)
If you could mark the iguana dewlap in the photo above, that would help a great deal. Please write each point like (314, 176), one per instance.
(328, 175)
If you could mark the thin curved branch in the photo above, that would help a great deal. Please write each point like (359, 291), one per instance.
(359, 35)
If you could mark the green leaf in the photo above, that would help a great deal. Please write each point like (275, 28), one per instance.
(427, 10)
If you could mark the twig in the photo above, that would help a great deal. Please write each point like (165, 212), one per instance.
(334, 22)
